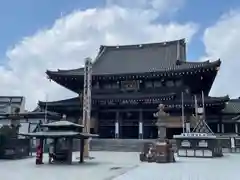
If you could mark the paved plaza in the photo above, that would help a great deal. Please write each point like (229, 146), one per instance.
(123, 166)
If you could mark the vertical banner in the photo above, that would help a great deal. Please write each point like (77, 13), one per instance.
(116, 130)
(140, 130)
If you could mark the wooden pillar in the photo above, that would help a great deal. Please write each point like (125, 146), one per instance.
(220, 123)
(30, 140)
(222, 128)
(236, 128)
(117, 125)
(41, 141)
(218, 128)
(140, 125)
(55, 140)
(81, 150)
(96, 126)
(70, 148)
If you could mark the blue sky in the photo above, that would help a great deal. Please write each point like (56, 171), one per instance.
(23, 18)
(51, 44)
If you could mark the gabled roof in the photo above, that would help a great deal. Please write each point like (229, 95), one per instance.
(141, 58)
(137, 58)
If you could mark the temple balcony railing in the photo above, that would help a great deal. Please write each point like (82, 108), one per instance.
(105, 91)
(162, 90)
(142, 90)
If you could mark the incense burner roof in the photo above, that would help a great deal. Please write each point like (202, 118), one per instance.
(62, 124)
(52, 134)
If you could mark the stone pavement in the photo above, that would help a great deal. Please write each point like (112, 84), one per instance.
(123, 166)
(223, 168)
(104, 166)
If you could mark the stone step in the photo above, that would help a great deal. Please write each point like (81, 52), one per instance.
(118, 145)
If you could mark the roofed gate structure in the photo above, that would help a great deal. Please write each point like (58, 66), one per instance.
(130, 81)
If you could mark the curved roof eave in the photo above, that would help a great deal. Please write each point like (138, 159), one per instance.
(189, 66)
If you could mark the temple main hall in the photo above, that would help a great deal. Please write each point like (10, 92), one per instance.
(130, 81)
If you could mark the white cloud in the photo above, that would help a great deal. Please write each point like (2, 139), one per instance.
(162, 7)
(76, 36)
(222, 40)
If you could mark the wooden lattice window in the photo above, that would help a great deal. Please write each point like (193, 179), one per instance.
(169, 83)
(178, 83)
(148, 84)
(157, 84)
(129, 85)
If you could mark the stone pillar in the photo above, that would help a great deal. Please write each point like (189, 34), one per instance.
(236, 128)
(117, 125)
(140, 125)
(162, 132)
(222, 128)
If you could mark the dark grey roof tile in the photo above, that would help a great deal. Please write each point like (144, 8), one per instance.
(232, 107)
(130, 59)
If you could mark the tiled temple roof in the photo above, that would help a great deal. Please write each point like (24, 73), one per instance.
(169, 100)
(110, 97)
(141, 58)
(189, 101)
(232, 107)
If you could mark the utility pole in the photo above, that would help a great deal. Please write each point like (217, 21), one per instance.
(183, 115)
(87, 100)
(46, 109)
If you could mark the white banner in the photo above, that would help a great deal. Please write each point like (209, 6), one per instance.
(116, 128)
(188, 130)
(200, 110)
(140, 127)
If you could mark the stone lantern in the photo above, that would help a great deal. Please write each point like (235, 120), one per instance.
(162, 117)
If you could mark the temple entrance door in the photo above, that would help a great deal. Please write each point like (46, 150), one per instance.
(173, 131)
(129, 132)
(150, 132)
(106, 132)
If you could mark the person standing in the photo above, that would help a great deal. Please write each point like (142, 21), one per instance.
(39, 155)
(51, 153)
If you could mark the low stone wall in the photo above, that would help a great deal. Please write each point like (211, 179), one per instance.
(118, 145)
(131, 145)
(136, 145)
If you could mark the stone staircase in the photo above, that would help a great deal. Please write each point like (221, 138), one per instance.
(118, 145)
